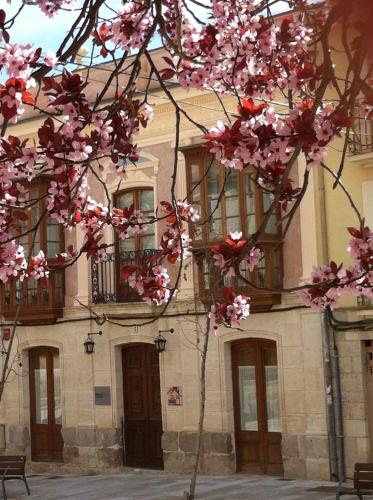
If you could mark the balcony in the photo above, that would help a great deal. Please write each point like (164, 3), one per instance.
(106, 285)
(361, 135)
(266, 279)
(38, 303)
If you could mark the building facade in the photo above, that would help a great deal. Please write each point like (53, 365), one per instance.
(267, 389)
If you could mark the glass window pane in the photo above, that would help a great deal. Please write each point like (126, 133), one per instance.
(58, 290)
(250, 206)
(147, 242)
(214, 210)
(53, 248)
(127, 245)
(57, 390)
(248, 404)
(271, 225)
(125, 200)
(272, 399)
(41, 390)
(146, 201)
(233, 224)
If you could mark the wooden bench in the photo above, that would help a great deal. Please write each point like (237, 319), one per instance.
(12, 467)
(362, 482)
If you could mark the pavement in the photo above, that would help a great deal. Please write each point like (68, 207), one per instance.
(156, 485)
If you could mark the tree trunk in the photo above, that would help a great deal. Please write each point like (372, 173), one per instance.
(202, 405)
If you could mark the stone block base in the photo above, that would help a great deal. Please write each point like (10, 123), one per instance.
(305, 457)
(179, 449)
(89, 447)
(17, 440)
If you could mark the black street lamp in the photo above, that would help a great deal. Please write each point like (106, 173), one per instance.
(89, 344)
(160, 341)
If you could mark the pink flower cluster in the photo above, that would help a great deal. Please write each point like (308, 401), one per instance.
(128, 30)
(230, 312)
(264, 140)
(232, 252)
(330, 282)
(150, 278)
(51, 7)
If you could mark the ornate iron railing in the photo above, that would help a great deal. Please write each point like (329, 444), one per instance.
(105, 276)
(361, 134)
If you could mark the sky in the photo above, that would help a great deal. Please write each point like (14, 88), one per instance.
(32, 26)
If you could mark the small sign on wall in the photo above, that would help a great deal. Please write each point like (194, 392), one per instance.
(175, 395)
(102, 395)
(6, 334)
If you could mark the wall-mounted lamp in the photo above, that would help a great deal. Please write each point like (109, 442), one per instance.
(160, 341)
(89, 344)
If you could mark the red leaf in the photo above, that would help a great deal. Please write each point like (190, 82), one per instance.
(167, 73)
(27, 98)
(354, 232)
(248, 108)
(20, 215)
(5, 36)
(126, 272)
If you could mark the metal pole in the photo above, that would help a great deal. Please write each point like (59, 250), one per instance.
(339, 413)
(328, 377)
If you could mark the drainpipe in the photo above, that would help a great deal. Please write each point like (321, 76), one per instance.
(339, 412)
(328, 375)
(336, 460)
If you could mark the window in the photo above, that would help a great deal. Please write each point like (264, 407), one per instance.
(228, 201)
(49, 236)
(40, 301)
(143, 200)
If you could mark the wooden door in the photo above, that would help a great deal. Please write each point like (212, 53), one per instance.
(45, 405)
(256, 407)
(142, 407)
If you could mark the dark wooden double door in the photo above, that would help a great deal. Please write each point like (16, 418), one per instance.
(142, 407)
(256, 407)
(45, 405)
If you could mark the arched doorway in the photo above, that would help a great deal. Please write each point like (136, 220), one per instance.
(45, 404)
(142, 406)
(256, 406)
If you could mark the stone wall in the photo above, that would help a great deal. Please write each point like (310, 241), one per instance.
(354, 385)
(17, 441)
(92, 447)
(179, 452)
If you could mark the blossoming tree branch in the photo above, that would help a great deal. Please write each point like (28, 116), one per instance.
(292, 101)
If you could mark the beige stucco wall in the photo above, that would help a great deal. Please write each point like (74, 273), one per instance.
(300, 382)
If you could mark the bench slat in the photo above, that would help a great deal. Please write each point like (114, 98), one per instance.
(365, 476)
(365, 485)
(363, 467)
(12, 470)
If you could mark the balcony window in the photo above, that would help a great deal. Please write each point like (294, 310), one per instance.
(106, 284)
(143, 200)
(40, 302)
(229, 201)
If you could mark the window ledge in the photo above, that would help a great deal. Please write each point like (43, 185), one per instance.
(363, 159)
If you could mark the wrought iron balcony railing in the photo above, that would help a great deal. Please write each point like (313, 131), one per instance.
(361, 134)
(106, 285)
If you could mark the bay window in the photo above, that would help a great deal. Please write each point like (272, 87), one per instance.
(229, 201)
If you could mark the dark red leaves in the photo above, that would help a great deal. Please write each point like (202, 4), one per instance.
(354, 232)
(248, 109)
